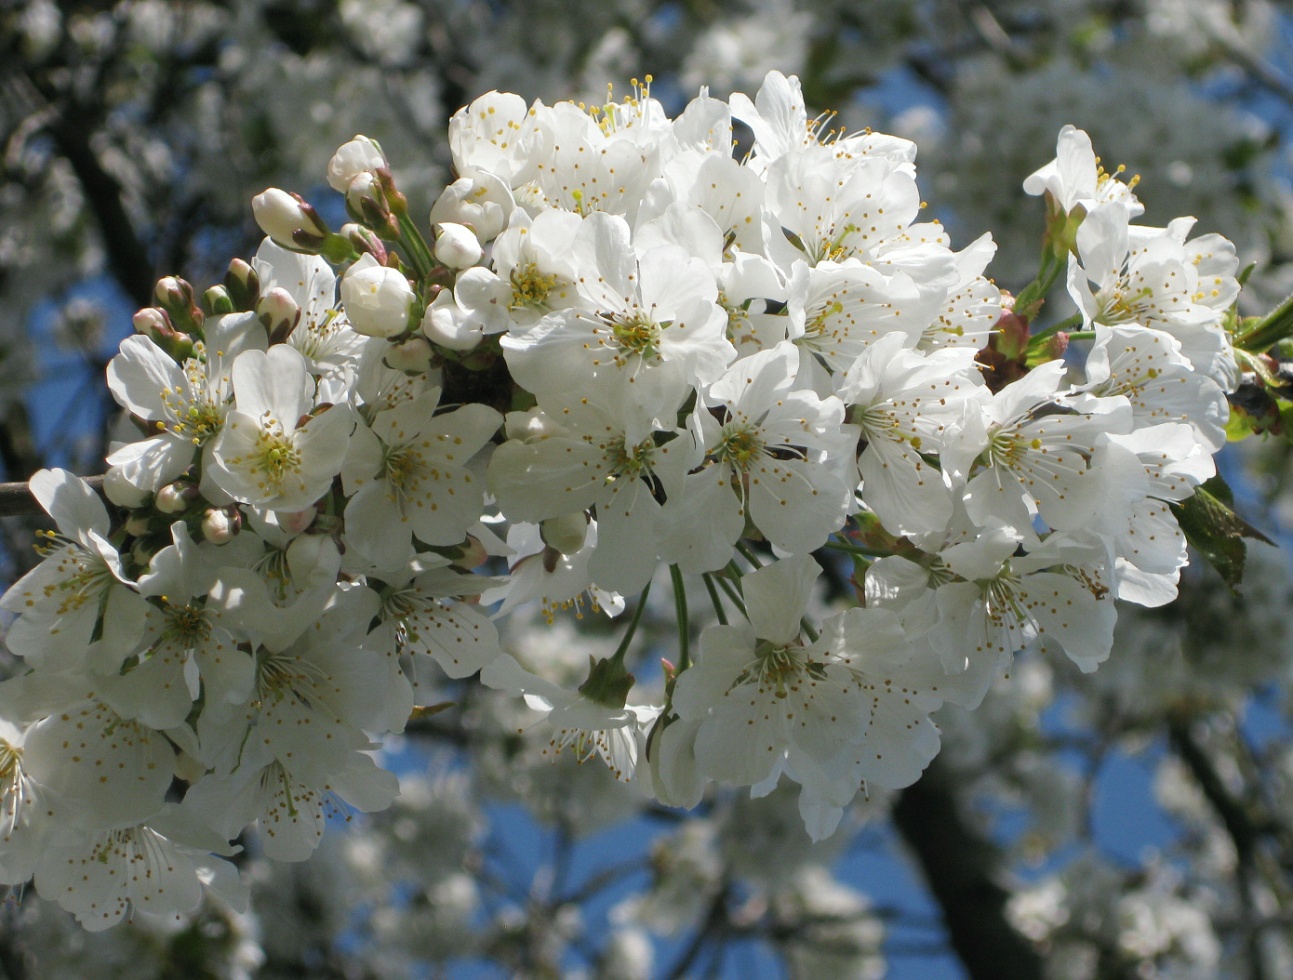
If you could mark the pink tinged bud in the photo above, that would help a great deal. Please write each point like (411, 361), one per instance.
(360, 155)
(154, 324)
(413, 356)
(176, 297)
(288, 220)
(221, 524)
(279, 312)
(1048, 347)
(174, 498)
(172, 291)
(376, 299)
(456, 246)
(1012, 335)
(297, 521)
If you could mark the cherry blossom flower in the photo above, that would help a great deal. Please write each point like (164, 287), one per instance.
(272, 451)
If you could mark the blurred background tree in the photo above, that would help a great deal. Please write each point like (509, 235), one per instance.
(1137, 822)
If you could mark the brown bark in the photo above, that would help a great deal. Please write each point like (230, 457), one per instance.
(960, 868)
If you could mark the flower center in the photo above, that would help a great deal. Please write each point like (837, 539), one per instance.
(10, 763)
(739, 447)
(530, 287)
(83, 576)
(630, 461)
(401, 466)
(1008, 448)
(187, 624)
(637, 334)
(276, 456)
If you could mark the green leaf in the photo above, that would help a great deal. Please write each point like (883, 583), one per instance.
(1214, 530)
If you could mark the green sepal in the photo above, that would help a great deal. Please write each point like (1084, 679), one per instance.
(216, 301)
(338, 249)
(1257, 334)
(608, 682)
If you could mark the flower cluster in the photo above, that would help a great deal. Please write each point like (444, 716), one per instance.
(623, 348)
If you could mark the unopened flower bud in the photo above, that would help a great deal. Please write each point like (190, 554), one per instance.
(565, 533)
(360, 155)
(1012, 335)
(243, 285)
(484, 202)
(136, 525)
(456, 246)
(175, 296)
(153, 323)
(448, 326)
(1048, 348)
(174, 498)
(217, 301)
(364, 188)
(364, 241)
(367, 203)
(413, 356)
(288, 220)
(221, 524)
(279, 312)
(376, 299)
(297, 521)
(143, 550)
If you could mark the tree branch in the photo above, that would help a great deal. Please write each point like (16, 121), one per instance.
(960, 869)
(127, 255)
(1240, 825)
(16, 498)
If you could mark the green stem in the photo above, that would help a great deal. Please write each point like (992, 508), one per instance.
(419, 253)
(853, 549)
(633, 625)
(1273, 327)
(807, 627)
(1082, 335)
(1066, 324)
(1031, 298)
(719, 611)
(733, 595)
(748, 554)
(684, 627)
